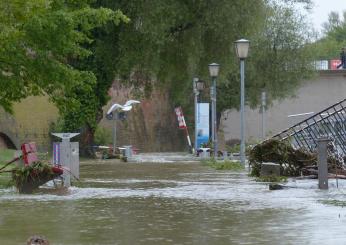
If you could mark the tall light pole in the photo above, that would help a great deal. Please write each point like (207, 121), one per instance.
(263, 100)
(198, 85)
(242, 49)
(113, 114)
(213, 72)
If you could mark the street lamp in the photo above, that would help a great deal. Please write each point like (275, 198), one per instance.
(213, 72)
(198, 86)
(242, 50)
(113, 114)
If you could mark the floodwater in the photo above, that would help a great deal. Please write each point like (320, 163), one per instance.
(173, 203)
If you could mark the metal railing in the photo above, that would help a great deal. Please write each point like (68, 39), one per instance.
(330, 122)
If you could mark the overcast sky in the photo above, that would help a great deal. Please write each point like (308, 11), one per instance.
(322, 8)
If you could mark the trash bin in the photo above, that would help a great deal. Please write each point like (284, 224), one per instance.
(205, 152)
(128, 150)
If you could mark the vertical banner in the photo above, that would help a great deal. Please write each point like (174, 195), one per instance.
(202, 123)
(56, 153)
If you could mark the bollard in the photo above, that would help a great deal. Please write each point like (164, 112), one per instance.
(128, 150)
(322, 163)
(270, 169)
(225, 155)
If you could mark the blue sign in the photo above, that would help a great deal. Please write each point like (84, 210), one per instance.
(202, 123)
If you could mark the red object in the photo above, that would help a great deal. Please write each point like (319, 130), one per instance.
(334, 64)
(57, 170)
(29, 153)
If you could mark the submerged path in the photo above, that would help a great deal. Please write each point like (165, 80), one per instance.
(173, 203)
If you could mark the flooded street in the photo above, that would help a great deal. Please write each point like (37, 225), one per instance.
(174, 203)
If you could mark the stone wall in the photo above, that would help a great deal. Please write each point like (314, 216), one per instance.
(30, 121)
(151, 126)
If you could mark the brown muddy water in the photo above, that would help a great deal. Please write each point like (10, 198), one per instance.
(173, 203)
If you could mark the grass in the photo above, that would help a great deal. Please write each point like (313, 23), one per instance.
(5, 180)
(6, 155)
(223, 165)
(271, 178)
(337, 203)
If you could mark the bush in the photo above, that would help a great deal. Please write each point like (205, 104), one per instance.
(103, 136)
(224, 165)
(271, 178)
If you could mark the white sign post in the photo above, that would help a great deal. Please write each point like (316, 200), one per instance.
(69, 156)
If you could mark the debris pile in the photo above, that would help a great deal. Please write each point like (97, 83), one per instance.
(293, 162)
(30, 177)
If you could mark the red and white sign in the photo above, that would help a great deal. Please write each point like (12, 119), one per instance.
(180, 116)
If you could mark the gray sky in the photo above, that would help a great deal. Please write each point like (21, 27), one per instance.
(322, 8)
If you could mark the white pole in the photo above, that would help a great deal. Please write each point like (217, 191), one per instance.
(242, 110)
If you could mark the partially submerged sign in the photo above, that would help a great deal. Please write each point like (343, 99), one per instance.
(66, 153)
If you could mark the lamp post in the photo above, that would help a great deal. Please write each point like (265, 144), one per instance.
(242, 49)
(213, 72)
(263, 100)
(198, 85)
(113, 114)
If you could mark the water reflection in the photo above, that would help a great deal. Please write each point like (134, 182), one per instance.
(172, 203)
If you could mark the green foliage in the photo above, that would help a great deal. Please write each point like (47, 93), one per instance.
(328, 47)
(271, 178)
(103, 136)
(233, 149)
(6, 155)
(35, 173)
(223, 165)
(73, 49)
(337, 203)
(5, 180)
(40, 39)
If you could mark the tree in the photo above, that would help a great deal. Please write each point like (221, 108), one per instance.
(38, 39)
(334, 37)
(278, 61)
(72, 50)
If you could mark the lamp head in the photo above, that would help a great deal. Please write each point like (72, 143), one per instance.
(214, 69)
(242, 48)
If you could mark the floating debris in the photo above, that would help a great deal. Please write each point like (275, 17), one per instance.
(30, 177)
(293, 162)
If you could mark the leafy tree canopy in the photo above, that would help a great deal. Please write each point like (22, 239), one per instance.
(169, 42)
(73, 50)
(334, 37)
(38, 38)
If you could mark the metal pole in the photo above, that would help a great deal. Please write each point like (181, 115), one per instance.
(322, 163)
(242, 105)
(215, 121)
(213, 115)
(196, 111)
(263, 97)
(114, 131)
